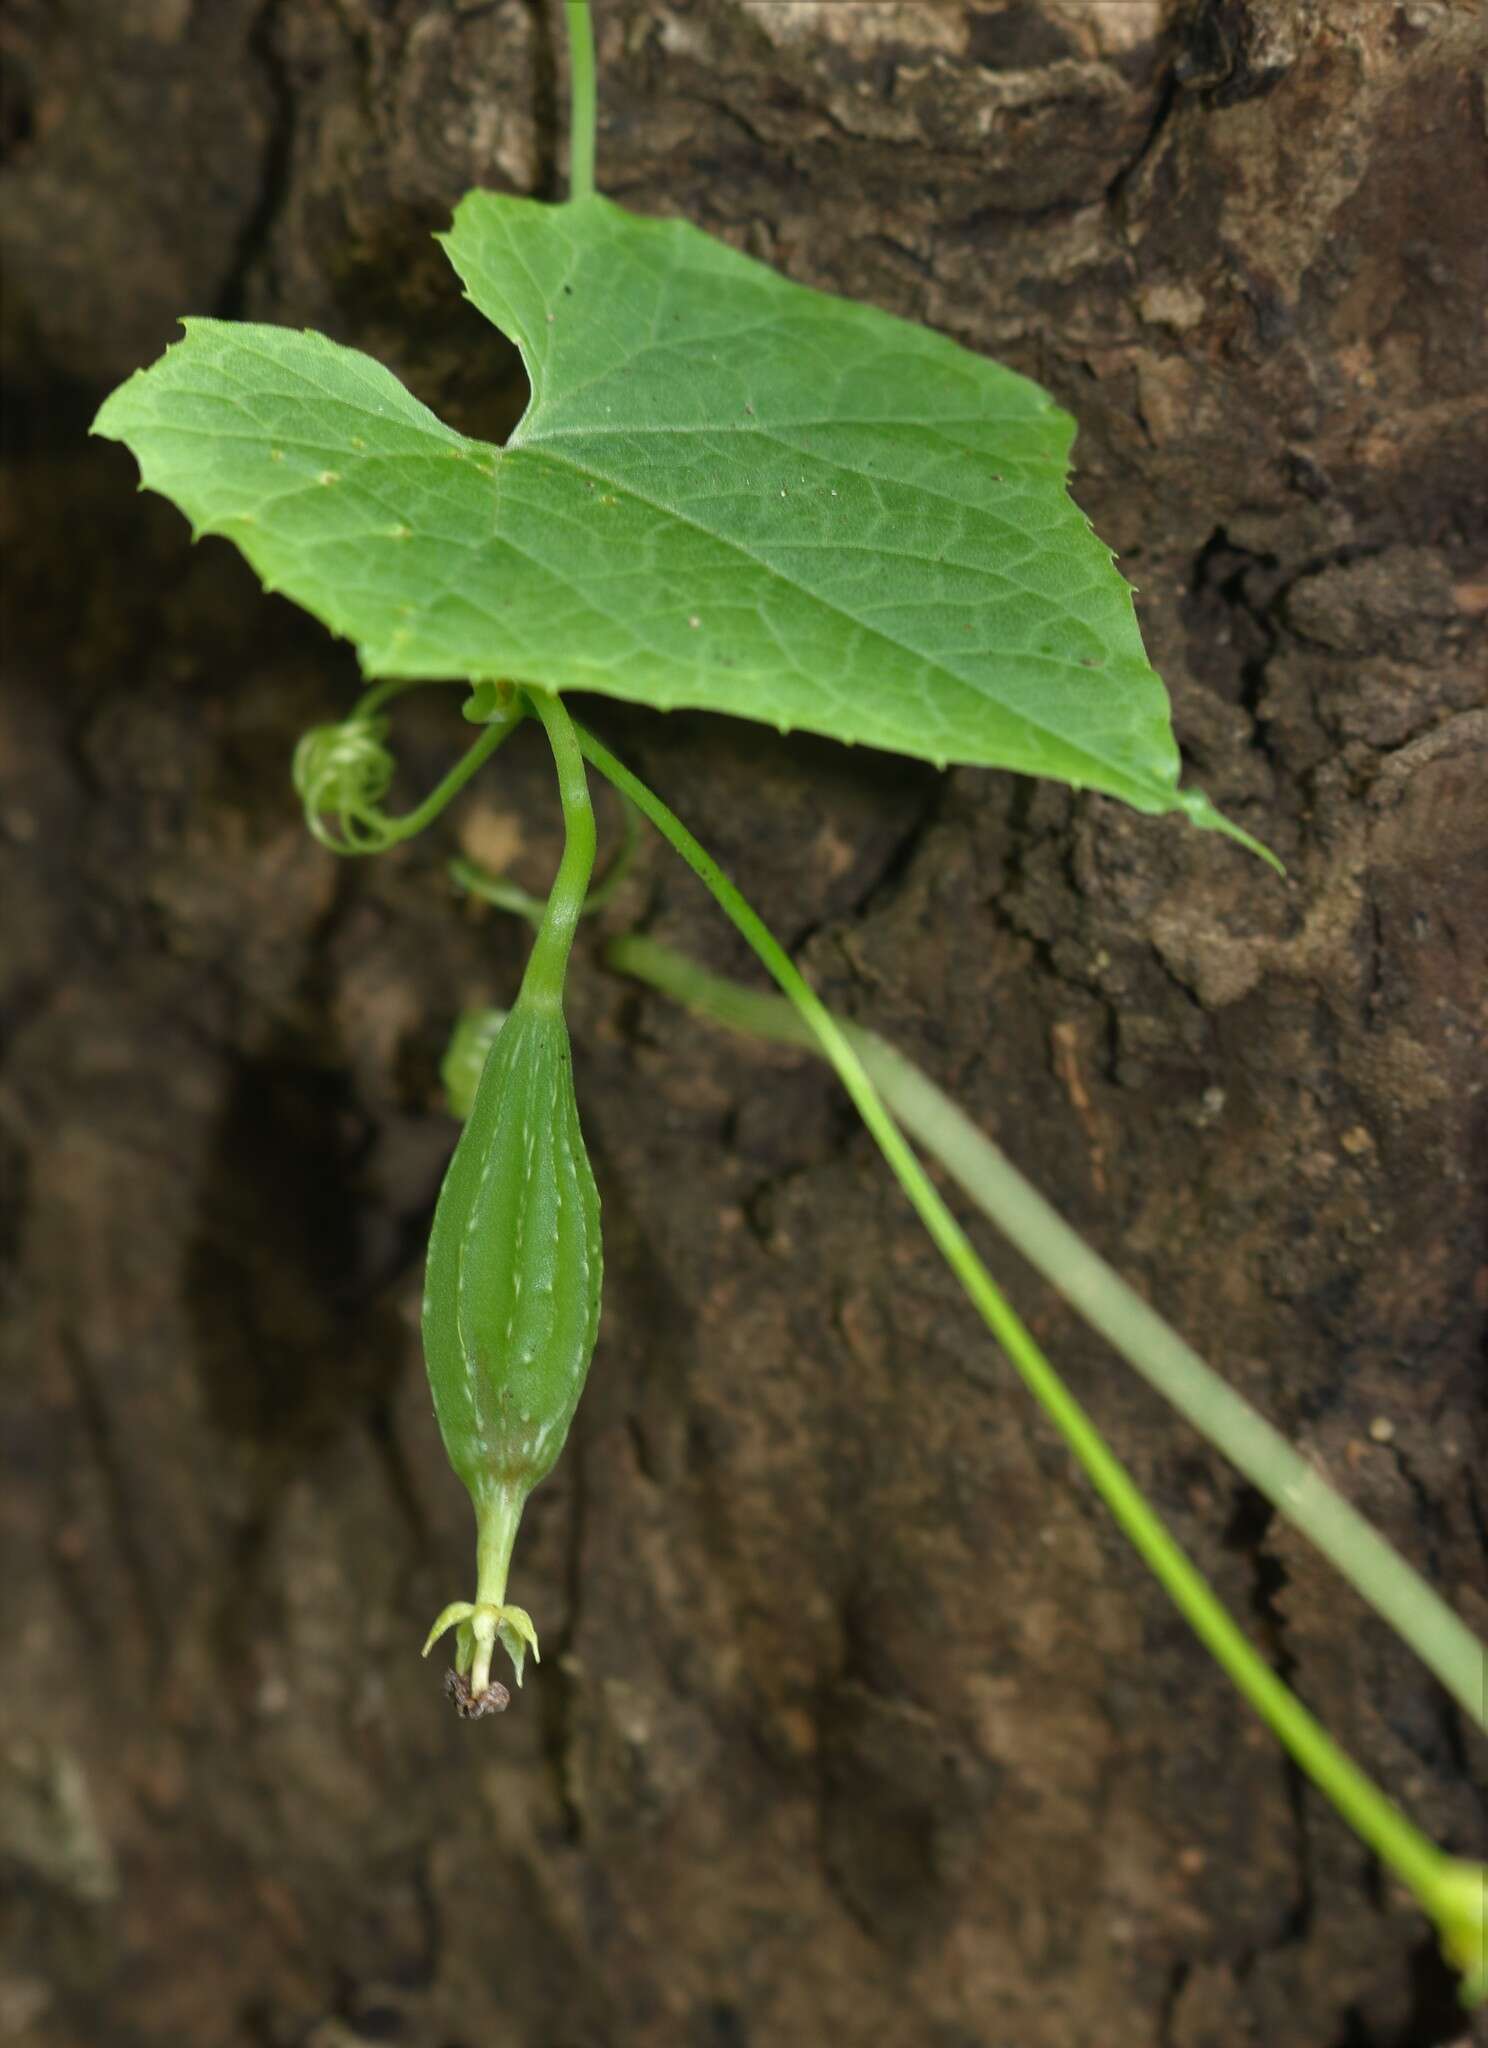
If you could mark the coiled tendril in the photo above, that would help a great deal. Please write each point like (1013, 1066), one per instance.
(341, 774)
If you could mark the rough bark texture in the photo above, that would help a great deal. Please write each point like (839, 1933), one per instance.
(856, 1722)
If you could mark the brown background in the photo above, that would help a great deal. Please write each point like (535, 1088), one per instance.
(856, 1724)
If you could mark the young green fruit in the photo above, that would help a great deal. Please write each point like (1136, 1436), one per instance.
(511, 1308)
(511, 1290)
(511, 1305)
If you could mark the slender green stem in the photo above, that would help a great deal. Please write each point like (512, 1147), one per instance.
(395, 830)
(1400, 1845)
(498, 890)
(1417, 1613)
(497, 1520)
(519, 902)
(582, 108)
(548, 960)
(618, 866)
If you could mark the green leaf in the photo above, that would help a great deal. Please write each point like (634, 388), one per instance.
(728, 492)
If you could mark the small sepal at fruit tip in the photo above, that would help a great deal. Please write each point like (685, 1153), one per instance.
(481, 1625)
(515, 1633)
(457, 1611)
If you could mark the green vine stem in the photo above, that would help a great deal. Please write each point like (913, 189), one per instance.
(548, 961)
(1295, 1488)
(1448, 1890)
(510, 896)
(582, 101)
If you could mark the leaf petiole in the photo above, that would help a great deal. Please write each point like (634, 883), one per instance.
(583, 102)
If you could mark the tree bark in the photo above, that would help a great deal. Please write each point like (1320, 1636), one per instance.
(856, 1721)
